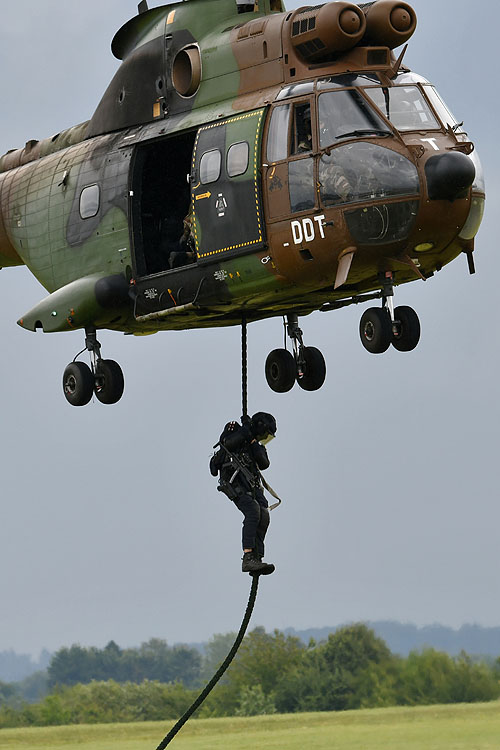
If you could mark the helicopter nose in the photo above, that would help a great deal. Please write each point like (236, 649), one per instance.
(449, 175)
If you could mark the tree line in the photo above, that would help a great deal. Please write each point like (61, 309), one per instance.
(153, 660)
(401, 639)
(272, 673)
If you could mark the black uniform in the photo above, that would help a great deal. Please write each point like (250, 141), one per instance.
(238, 462)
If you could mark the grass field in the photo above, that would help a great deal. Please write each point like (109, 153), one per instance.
(464, 727)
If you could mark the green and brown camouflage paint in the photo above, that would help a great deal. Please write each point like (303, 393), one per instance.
(201, 68)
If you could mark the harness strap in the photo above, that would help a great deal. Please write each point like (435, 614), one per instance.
(271, 492)
(251, 478)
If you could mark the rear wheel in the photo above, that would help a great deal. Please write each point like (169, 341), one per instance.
(78, 384)
(109, 382)
(375, 330)
(280, 370)
(314, 370)
(407, 325)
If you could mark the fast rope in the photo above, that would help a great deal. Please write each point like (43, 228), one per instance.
(244, 366)
(255, 579)
(217, 676)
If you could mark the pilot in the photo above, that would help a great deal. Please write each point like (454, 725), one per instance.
(335, 187)
(303, 130)
(241, 456)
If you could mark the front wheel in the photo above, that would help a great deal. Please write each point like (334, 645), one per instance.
(314, 370)
(78, 384)
(375, 330)
(406, 335)
(280, 371)
(109, 382)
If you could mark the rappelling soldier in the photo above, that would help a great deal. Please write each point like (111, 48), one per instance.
(238, 462)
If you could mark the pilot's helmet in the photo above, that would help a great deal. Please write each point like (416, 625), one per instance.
(263, 426)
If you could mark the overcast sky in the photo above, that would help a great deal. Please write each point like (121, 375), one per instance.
(112, 527)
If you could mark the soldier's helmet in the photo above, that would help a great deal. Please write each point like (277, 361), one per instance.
(263, 425)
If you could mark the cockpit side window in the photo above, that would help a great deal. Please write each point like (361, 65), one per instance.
(447, 118)
(301, 184)
(405, 106)
(302, 129)
(277, 136)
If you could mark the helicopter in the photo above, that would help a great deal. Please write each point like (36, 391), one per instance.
(245, 162)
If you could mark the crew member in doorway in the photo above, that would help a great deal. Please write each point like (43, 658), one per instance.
(241, 456)
(187, 249)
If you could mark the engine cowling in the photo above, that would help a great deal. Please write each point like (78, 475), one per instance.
(332, 28)
(389, 23)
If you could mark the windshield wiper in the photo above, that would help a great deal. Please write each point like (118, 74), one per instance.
(367, 131)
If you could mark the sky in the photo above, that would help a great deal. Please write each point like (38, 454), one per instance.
(111, 525)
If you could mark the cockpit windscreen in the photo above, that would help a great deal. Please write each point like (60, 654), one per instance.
(404, 106)
(346, 114)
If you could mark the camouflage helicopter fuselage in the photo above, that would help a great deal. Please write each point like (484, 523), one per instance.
(310, 162)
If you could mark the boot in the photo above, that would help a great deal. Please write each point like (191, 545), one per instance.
(253, 565)
(270, 568)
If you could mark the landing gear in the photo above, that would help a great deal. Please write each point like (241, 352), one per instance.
(281, 370)
(375, 330)
(406, 335)
(306, 365)
(314, 370)
(109, 382)
(381, 327)
(78, 383)
(104, 377)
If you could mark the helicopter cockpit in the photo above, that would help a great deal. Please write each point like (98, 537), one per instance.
(411, 104)
(358, 170)
(346, 141)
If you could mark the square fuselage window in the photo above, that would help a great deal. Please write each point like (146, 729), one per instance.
(210, 166)
(237, 159)
(90, 200)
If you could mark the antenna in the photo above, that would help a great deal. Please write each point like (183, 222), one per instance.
(397, 65)
(143, 7)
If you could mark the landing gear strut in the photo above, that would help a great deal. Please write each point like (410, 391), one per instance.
(381, 327)
(104, 378)
(306, 365)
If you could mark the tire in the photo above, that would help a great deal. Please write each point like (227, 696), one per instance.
(375, 330)
(281, 371)
(408, 326)
(109, 382)
(315, 369)
(78, 384)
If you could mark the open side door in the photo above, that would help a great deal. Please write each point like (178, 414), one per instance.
(225, 188)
